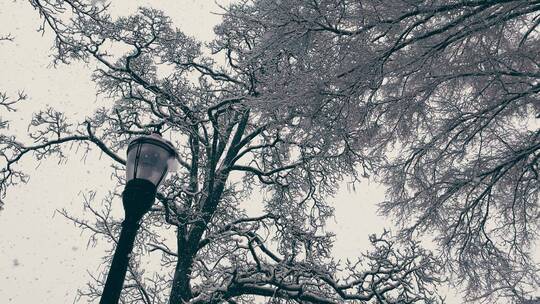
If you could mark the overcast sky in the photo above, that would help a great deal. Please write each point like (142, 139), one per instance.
(44, 257)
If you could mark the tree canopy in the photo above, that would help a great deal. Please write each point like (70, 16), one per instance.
(438, 100)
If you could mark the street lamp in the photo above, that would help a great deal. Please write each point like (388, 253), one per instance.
(149, 158)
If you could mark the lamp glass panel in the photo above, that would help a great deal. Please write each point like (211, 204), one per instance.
(151, 163)
(130, 163)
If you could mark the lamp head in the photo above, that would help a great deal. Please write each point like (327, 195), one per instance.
(150, 157)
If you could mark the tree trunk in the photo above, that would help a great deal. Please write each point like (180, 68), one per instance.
(181, 289)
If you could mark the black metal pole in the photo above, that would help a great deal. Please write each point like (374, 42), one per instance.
(137, 198)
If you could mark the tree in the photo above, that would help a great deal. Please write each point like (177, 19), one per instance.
(220, 126)
(7, 103)
(313, 92)
(453, 86)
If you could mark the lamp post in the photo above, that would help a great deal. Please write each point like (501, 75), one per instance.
(149, 158)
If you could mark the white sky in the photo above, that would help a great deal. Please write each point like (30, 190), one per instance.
(44, 257)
